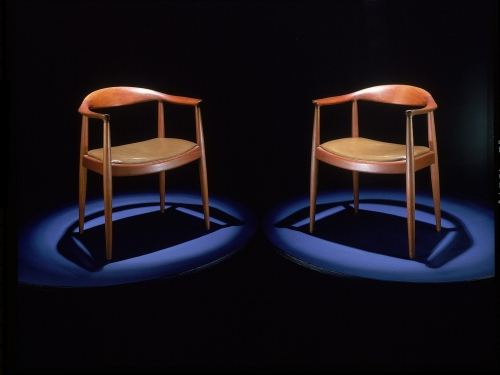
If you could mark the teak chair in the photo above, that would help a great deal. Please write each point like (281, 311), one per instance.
(155, 155)
(373, 156)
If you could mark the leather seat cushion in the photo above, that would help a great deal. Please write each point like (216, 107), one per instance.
(370, 150)
(145, 151)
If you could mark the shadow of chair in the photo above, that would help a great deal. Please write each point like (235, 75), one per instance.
(155, 155)
(369, 155)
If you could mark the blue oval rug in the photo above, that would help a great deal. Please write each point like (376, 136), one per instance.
(147, 244)
(373, 243)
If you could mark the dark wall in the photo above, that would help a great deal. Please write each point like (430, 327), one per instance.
(257, 65)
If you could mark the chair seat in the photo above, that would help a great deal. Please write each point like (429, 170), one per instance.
(146, 151)
(370, 150)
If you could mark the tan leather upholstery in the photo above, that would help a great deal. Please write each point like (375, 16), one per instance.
(370, 150)
(146, 151)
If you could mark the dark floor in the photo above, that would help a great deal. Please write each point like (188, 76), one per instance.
(256, 312)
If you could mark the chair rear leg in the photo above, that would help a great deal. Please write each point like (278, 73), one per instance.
(355, 185)
(436, 194)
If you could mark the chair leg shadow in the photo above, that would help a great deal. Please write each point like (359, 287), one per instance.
(138, 235)
(384, 233)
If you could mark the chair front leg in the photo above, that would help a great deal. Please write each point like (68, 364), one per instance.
(355, 185)
(410, 187)
(82, 194)
(82, 180)
(313, 182)
(410, 208)
(108, 216)
(107, 188)
(204, 190)
(200, 139)
(313, 192)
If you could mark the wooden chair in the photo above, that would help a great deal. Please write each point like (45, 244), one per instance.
(155, 155)
(375, 156)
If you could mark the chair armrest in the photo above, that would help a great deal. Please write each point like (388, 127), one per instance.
(85, 111)
(181, 100)
(333, 100)
(431, 106)
(420, 111)
(147, 95)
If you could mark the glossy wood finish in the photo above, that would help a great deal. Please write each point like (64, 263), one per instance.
(109, 166)
(410, 160)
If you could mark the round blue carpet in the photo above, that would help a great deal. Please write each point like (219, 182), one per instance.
(373, 243)
(147, 244)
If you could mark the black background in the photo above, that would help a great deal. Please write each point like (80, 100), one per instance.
(257, 65)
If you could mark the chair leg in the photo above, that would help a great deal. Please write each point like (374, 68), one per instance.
(355, 185)
(107, 190)
(204, 190)
(82, 194)
(108, 216)
(162, 191)
(436, 194)
(410, 186)
(410, 208)
(313, 192)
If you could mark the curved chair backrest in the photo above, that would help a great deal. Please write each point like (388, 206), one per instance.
(124, 95)
(390, 94)
(395, 94)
